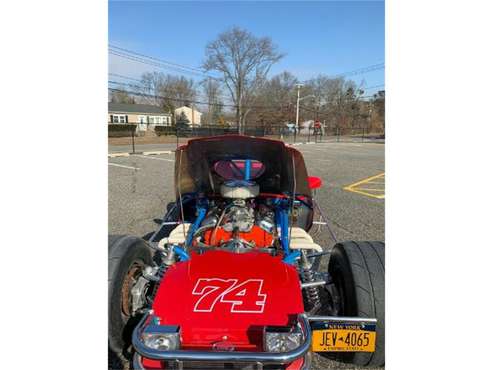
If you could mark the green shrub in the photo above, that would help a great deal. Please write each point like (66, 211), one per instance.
(164, 130)
(121, 129)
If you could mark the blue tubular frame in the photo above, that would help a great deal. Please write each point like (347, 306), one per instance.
(282, 220)
(181, 253)
(202, 211)
(247, 169)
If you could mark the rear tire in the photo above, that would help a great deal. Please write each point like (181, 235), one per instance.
(358, 272)
(127, 257)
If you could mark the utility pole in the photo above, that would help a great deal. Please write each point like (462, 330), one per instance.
(298, 99)
(298, 105)
(298, 86)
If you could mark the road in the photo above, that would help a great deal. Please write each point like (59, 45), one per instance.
(140, 186)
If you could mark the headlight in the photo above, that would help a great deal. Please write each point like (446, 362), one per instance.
(281, 339)
(161, 337)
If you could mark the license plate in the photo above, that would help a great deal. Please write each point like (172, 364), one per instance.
(344, 338)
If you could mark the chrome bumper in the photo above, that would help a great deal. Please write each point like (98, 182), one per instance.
(260, 358)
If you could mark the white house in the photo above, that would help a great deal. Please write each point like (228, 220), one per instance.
(192, 114)
(145, 116)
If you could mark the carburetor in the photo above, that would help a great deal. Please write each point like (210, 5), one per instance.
(239, 216)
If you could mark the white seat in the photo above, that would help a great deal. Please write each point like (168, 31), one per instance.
(177, 235)
(300, 239)
(299, 233)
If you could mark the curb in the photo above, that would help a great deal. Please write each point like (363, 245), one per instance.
(157, 152)
(115, 155)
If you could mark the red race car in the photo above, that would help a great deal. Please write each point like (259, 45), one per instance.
(233, 279)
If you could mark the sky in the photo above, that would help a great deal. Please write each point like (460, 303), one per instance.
(328, 37)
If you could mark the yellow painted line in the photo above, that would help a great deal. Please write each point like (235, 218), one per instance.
(366, 180)
(367, 191)
(382, 196)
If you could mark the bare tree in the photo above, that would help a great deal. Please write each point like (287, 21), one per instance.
(212, 91)
(121, 96)
(244, 60)
(378, 102)
(278, 97)
(335, 99)
(166, 90)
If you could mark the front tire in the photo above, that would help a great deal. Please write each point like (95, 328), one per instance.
(127, 257)
(358, 272)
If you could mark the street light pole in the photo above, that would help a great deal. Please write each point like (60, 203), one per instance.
(297, 111)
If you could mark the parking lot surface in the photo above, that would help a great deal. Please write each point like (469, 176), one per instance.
(140, 186)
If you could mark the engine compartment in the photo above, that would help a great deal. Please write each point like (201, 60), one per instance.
(238, 223)
(240, 217)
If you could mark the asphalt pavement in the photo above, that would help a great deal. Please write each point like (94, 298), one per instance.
(140, 186)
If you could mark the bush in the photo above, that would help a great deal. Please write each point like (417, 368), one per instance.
(121, 129)
(164, 130)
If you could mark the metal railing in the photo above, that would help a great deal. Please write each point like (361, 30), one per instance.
(131, 135)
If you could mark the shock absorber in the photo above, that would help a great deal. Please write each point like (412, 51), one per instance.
(308, 276)
(167, 259)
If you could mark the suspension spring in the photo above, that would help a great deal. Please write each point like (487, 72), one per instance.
(312, 293)
(160, 273)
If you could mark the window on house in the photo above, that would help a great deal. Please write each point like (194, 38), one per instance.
(118, 118)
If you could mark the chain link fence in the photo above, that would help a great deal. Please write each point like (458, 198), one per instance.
(135, 137)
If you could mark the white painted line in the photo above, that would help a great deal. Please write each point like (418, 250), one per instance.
(157, 159)
(122, 166)
(157, 152)
(114, 155)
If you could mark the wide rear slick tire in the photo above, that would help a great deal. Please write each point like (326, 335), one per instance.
(358, 272)
(127, 256)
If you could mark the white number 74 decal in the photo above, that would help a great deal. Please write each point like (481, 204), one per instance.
(244, 297)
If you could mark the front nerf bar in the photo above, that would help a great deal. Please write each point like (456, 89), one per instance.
(222, 356)
(178, 356)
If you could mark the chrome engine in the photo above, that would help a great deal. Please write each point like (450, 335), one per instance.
(239, 216)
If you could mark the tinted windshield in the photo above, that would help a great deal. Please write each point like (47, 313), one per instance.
(239, 169)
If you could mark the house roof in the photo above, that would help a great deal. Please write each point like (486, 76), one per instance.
(135, 108)
(188, 108)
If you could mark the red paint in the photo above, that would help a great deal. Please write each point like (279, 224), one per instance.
(296, 364)
(260, 237)
(148, 363)
(314, 182)
(175, 303)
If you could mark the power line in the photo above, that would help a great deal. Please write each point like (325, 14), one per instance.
(355, 72)
(321, 112)
(362, 70)
(159, 64)
(125, 77)
(372, 87)
(172, 91)
(154, 58)
(189, 100)
(156, 64)
(140, 83)
(170, 98)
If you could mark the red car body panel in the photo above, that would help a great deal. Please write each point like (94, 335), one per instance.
(222, 299)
